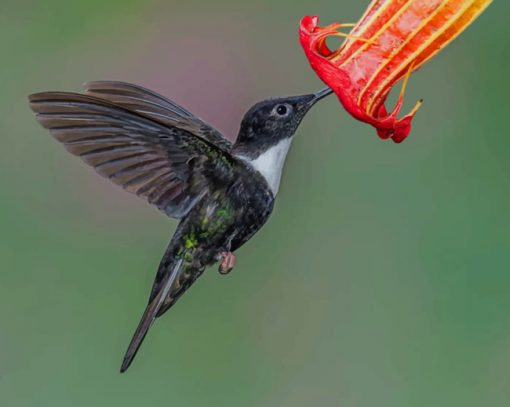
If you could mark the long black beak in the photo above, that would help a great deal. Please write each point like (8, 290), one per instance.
(322, 94)
(307, 101)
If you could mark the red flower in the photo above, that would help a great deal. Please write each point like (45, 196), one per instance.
(392, 39)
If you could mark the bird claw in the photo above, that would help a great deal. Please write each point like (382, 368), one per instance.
(227, 263)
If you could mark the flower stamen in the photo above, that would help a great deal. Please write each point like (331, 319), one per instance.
(406, 80)
(353, 37)
(403, 90)
(416, 107)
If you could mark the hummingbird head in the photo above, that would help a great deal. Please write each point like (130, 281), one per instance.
(272, 120)
(267, 130)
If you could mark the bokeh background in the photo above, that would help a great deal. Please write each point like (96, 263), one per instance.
(382, 278)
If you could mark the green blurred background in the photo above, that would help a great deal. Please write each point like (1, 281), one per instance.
(382, 278)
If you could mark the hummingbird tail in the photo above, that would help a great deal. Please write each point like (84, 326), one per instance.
(150, 315)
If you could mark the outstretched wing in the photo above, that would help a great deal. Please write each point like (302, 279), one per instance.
(168, 165)
(156, 107)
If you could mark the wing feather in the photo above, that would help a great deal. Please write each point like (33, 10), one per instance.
(147, 157)
(156, 107)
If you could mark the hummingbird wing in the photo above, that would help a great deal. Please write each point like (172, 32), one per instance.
(156, 107)
(169, 165)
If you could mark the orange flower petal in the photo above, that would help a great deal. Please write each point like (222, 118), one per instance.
(391, 40)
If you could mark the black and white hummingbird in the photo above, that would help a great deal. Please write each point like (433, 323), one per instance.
(222, 193)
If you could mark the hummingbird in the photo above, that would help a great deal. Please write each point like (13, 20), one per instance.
(221, 193)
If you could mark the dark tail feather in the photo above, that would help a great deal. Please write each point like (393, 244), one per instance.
(150, 315)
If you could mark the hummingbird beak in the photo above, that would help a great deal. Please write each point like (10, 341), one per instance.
(321, 94)
(313, 98)
(304, 103)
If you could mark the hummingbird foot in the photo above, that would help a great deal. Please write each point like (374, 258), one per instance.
(227, 263)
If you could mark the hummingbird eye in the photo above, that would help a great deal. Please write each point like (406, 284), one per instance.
(282, 110)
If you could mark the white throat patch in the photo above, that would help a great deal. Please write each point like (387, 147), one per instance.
(270, 163)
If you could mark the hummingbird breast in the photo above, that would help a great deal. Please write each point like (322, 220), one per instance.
(222, 221)
(227, 218)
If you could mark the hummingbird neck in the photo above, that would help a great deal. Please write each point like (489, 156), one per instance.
(270, 163)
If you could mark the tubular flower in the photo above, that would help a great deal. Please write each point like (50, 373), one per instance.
(391, 40)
